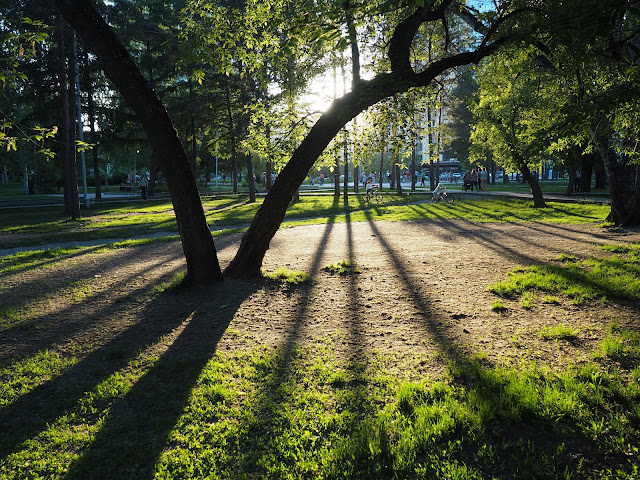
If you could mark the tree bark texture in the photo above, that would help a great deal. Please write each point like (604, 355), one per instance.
(536, 191)
(586, 172)
(623, 183)
(267, 220)
(601, 178)
(197, 242)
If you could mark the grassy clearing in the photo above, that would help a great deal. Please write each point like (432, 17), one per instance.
(142, 219)
(579, 280)
(303, 412)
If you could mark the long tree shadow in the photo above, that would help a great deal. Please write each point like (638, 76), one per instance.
(81, 275)
(41, 258)
(274, 395)
(271, 393)
(30, 414)
(135, 432)
(52, 332)
(529, 436)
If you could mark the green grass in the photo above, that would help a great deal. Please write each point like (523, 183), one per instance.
(305, 412)
(615, 276)
(179, 281)
(145, 218)
(527, 300)
(499, 307)
(619, 343)
(286, 275)
(343, 267)
(558, 332)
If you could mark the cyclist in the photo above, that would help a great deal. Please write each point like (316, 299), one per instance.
(436, 192)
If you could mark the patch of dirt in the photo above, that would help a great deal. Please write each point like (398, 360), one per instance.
(420, 297)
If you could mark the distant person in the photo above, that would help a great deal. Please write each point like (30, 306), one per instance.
(321, 179)
(436, 191)
(466, 181)
(144, 184)
(576, 182)
(473, 178)
(484, 179)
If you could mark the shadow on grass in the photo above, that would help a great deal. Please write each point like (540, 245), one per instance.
(272, 394)
(49, 283)
(135, 431)
(517, 442)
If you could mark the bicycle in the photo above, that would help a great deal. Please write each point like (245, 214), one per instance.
(373, 194)
(442, 195)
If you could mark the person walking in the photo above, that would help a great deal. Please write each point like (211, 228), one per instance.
(143, 183)
(484, 179)
(473, 178)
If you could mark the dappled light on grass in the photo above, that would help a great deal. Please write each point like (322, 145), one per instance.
(583, 280)
(55, 294)
(143, 219)
(54, 449)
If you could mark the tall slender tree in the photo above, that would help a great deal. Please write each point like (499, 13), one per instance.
(197, 242)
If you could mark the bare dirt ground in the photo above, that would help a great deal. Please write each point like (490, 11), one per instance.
(421, 293)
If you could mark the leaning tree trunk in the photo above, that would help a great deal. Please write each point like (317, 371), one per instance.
(197, 242)
(623, 183)
(267, 220)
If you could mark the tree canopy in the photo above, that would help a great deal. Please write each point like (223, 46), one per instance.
(228, 77)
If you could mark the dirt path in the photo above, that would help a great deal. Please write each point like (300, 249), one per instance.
(421, 290)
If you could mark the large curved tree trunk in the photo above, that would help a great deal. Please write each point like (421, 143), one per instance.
(255, 242)
(267, 220)
(197, 242)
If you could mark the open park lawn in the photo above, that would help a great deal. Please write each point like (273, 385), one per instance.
(433, 348)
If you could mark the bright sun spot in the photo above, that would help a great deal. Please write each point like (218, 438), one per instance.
(320, 94)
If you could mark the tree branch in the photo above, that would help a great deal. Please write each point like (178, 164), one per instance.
(404, 33)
